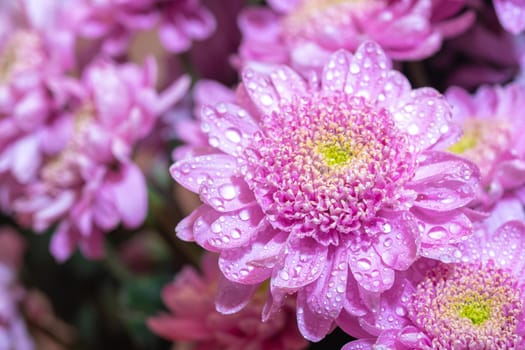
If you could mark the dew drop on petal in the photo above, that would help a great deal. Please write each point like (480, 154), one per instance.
(227, 191)
(364, 264)
(233, 135)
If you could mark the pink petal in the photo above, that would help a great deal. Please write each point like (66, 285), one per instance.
(335, 72)
(230, 128)
(370, 272)
(216, 180)
(173, 38)
(303, 264)
(507, 245)
(443, 229)
(444, 181)
(424, 115)
(327, 295)
(63, 242)
(234, 229)
(287, 83)
(233, 297)
(313, 326)
(260, 90)
(368, 71)
(511, 14)
(361, 344)
(398, 248)
(240, 264)
(131, 197)
(92, 246)
(184, 228)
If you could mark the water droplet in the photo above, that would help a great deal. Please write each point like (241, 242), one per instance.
(354, 68)
(364, 264)
(388, 242)
(214, 141)
(400, 311)
(413, 129)
(244, 215)
(235, 233)
(227, 192)
(284, 275)
(266, 100)
(437, 232)
(387, 228)
(233, 135)
(216, 227)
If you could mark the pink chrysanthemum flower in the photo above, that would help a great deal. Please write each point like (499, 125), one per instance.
(492, 136)
(511, 14)
(477, 302)
(115, 22)
(13, 330)
(194, 319)
(305, 32)
(89, 183)
(323, 184)
(33, 56)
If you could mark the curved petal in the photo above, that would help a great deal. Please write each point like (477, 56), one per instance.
(398, 246)
(368, 71)
(216, 180)
(313, 326)
(303, 263)
(370, 272)
(261, 91)
(444, 181)
(287, 83)
(327, 294)
(131, 197)
(336, 71)
(424, 115)
(230, 128)
(233, 297)
(243, 265)
(511, 14)
(361, 344)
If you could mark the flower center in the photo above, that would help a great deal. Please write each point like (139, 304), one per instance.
(468, 306)
(327, 165)
(477, 311)
(316, 19)
(483, 141)
(336, 152)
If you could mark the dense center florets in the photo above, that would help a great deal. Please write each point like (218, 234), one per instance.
(468, 306)
(483, 141)
(327, 165)
(317, 18)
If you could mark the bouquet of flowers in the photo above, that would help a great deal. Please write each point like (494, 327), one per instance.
(279, 174)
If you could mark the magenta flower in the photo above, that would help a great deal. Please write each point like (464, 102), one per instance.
(318, 185)
(492, 136)
(474, 303)
(305, 32)
(115, 22)
(89, 184)
(511, 14)
(194, 319)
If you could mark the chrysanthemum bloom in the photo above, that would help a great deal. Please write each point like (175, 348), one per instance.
(115, 22)
(477, 302)
(90, 184)
(492, 124)
(13, 331)
(305, 32)
(33, 57)
(511, 14)
(194, 319)
(323, 184)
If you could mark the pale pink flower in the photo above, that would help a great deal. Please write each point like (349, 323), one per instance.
(324, 186)
(193, 318)
(492, 136)
(89, 184)
(115, 22)
(477, 302)
(305, 32)
(33, 58)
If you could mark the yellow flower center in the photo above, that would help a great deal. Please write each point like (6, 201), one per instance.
(476, 310)
(335, 152)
